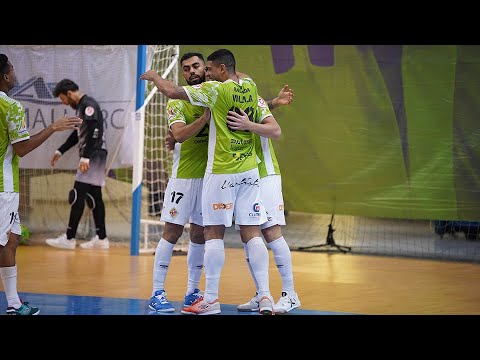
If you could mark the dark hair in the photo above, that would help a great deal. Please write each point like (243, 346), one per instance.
(223, 56)
(4, 65)
(189, 55)
(63, 86)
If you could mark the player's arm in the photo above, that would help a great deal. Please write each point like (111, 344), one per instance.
(170, 141)
(182, 132)
(71, 141)
(285, 97)
(23, 147)
(268, 128)
(166, 87)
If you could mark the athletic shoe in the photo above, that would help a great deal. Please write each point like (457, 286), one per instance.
(190, 298)
(96, 243)
(252, 305)
(159, 302)
(24, 309)
(265, 305)
(202, 307)
(287, 302)
(61, 242)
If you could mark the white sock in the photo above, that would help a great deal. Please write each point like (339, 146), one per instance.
(283, 259)
(214, 260)
(258, 258)
(9, 280)
(163, 256)
(245, 247)
(195, 257)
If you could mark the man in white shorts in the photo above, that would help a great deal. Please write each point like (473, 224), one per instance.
(16, 142)
(272, 197)
(231, 182)
(182, 203)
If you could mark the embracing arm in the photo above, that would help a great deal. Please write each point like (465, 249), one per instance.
(269, 128)
(182, 132)
(166, 87)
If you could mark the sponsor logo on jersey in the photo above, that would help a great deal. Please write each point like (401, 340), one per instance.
(22, 129)
(89, 111)
(198, 86)
(262, 103)
(171, 113)
(222, 206)
(173, 212)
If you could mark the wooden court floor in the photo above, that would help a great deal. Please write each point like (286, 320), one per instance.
(325, 281)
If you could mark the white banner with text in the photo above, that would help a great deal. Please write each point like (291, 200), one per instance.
(108, 73)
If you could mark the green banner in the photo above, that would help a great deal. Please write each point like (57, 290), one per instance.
(382, 130)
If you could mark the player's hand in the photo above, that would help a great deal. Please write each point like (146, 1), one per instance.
(207, 114)
(54, 159)
(150, 75)
(285, 96)
(83, 167)
(66, 123)
(170, 141)
(238, 121)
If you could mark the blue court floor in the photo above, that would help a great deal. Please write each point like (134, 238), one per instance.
(51, 304)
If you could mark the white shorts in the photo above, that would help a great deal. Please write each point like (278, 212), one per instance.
(272, 197)
(182, 203)
(9, 217)
(226, 194)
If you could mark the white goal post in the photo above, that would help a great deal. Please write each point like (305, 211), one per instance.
(152, 162)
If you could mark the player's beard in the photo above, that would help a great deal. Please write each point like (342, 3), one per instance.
(196, 81)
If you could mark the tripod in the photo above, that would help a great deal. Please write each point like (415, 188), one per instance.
(330, 240)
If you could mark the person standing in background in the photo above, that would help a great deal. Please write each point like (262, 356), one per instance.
(90, 177)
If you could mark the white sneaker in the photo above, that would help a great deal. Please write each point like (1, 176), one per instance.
(252, 305)
(61, 242)
(287, 302)
(96, 243)
(265, 305)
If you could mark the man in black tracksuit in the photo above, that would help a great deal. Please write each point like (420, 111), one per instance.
(90, 176)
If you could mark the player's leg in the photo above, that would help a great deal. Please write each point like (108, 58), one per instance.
(94, 200)
(76, 199)
(196, 246)
(217, 211)
(252, 304)
(163, 256)
(10, 231)
(249, 214)
(175, 214)
(195, 261)
(289, 299)
(271, 188)
(95, 177)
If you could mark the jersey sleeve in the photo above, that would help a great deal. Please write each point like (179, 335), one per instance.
(175, 112)
(204, 94)
(17, 127)
(262, 110)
